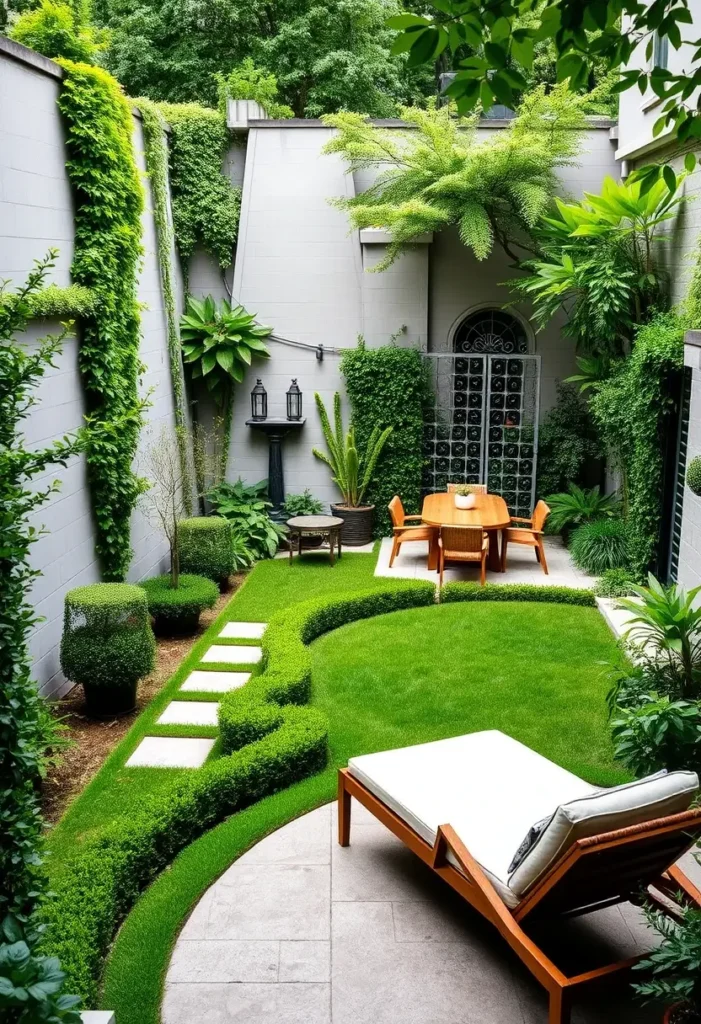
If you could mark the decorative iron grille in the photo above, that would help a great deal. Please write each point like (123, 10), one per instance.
(491, 332)
(483, 426)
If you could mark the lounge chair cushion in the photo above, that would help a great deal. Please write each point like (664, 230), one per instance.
(605, 810)
(489, 787)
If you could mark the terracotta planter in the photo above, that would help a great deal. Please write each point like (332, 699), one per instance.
(357, 524)
(109, 701)
(671, 1015)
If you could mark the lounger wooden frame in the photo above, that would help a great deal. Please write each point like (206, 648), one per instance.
(593, 873)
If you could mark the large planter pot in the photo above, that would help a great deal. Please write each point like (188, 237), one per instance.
(673, 1015)
(357, 524)
(109, 701)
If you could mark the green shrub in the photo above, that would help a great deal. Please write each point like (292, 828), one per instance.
(107, 638)
(567, 442)
(249, 518)
(515, 592)
(615, 583)
(658, 733)
(579, 505)
(172, 605)
(693, 475)
(599, 545)
(302, 505)
(205, 547)
(57, 30)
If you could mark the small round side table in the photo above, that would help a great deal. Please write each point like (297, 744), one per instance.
(327, 526)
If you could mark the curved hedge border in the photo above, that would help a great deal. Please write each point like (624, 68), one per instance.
(516, 592)
(274, 741)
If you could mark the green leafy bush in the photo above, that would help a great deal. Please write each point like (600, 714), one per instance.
(247, 82)
(516, 592)
(220, 342)
(567, 442)
(674, 974)
(302, 505)
(658, 733)
(249, 519)
(107, 638)
(179, 609)
(599, 545)
(56, 30)
(389, 387)
(693, 475)
(615, 583)
(578, 505)
(30, 984)
(205, 547)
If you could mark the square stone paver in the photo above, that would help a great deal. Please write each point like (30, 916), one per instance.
(246, 1004)
(271, 901)
(305, 961)
(170, 752)
(233, 654)
(214, 682)
(225, 962)
(244, 630)
(190, 712)
(307, 840)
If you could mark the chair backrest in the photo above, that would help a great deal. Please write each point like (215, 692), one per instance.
(476, 488)
(540, 514)
(467, 539)
(396, 511)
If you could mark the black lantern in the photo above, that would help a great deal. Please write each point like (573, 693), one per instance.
(259, 401)
(294, 401)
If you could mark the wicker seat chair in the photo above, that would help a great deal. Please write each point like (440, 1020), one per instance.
(463, 544)
(531, 533)
(476, 488)
(405, 530)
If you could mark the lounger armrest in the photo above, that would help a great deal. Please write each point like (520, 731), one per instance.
(447, 838)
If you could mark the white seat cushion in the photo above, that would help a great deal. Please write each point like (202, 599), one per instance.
(489, 787)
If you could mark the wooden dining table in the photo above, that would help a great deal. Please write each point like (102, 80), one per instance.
(490, 512)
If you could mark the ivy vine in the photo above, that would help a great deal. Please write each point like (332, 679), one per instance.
(109, 201)
(156, 154)
(73, 302)
(206, 206)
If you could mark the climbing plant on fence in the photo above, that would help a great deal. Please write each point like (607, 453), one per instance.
(206, 205)
(109, 200)
(388, 387)
(156, 153)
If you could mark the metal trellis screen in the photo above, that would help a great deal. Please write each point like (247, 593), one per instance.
(483, 426)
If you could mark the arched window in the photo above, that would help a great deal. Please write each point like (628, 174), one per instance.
(491, 332)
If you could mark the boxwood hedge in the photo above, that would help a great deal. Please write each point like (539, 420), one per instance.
(516, 592)
(270, 741)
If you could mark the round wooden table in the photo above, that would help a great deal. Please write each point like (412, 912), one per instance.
(490, 512)
(325, 526)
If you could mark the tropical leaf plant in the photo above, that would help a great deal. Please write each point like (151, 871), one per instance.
(658, 733)
(580, 505)
(352, 472)
(220, 343)
(255, 534)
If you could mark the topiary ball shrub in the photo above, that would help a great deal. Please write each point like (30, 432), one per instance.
(205, 544)
(176, 610)
(599, 545)
(693, 475)
(615, 583)
(107, 644)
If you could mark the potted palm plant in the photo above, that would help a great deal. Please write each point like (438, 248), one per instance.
(352, 472)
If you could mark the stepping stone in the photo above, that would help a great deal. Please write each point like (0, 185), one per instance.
(170, 752)
(244, 630)
(214, 682)
(190, 712)
(233, 654)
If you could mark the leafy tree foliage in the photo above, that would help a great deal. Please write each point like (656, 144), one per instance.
(441, 174)
(247, 82)
(59, 30)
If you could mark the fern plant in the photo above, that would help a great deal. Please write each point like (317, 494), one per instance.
(352, 472)
(579, 505)
(441, 174)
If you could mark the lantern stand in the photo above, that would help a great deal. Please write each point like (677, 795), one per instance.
(275, 429)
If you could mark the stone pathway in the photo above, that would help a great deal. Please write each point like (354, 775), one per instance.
(301, 931)
(187, 751)
(522, 567)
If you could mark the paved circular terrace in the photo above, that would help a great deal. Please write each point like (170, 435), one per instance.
(301, 931)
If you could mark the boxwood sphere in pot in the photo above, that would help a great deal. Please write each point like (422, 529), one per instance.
(107, 645)
(176, 610)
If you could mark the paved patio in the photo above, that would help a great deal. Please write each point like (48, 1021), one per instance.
(522, 566)
(300, 931)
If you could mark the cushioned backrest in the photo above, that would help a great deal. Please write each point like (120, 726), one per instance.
(606, 811)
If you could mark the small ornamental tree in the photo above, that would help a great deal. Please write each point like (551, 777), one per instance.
(26, 729)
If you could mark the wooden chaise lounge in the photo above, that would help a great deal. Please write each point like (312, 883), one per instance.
(471, 806)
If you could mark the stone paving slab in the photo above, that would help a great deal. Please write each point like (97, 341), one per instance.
(246, 1004)
(170, 752)
(233, 654)
(190, 712)
(244, 630)
(214, 682)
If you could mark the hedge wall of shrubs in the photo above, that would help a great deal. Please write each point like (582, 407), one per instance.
(270, 741)
(516, 592)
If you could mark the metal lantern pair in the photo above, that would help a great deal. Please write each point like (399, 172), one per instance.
(259, 401)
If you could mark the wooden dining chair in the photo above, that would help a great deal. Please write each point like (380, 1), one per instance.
(404, 530)
(531, 533)
(476, 488)
(463, 544)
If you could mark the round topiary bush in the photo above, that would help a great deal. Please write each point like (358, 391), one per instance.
(205, 544)
(693, 475)
(176, 611)
(615, 583)
(107, 644)
(599, 545)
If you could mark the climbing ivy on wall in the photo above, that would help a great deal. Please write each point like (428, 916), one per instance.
(53, 301)
(156, 153)
(109, 200)
(389, 387)
(206, 205)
